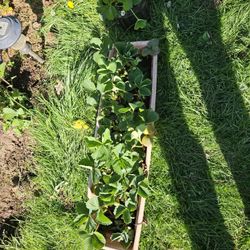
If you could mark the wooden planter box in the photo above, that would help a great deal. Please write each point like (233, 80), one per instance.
(141, 203)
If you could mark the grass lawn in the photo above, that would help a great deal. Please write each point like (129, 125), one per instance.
(200, 172)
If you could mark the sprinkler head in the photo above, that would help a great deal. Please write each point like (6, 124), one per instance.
(10, 31)
(11, 37)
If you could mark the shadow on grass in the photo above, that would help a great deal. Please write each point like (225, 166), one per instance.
(201, 39)
(200, 36)
(191, 180)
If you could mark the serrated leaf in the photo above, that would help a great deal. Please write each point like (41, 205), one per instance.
(119, 210)
(127, 216)
(127, 5)
(116, 237)
(87, 161)
(90, 225)
(124, 110)
(89, 85)
(143, 189)
(112, 67)
(93, 203)
(118, 149)
(117, 167)
(93, 241)
(136, 76)
(106, 136)
(140, 24)
(81, 208)
(80, 219)
(96, 41)
(91, 101)
(151, 116)
(99, 58)
(145, 91)
(136, 105)
(9, 114)
(110, 12)
(99, 240)
(92, 142)
(102, 219)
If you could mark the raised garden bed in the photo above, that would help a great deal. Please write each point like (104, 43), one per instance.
(136, 224)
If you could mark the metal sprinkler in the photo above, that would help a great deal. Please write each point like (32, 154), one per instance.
(11, 37)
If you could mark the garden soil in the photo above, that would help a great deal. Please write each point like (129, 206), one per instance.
(15, 188)
(27, 75)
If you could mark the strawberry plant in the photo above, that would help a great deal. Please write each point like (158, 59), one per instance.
(116, 155)
(112, 9)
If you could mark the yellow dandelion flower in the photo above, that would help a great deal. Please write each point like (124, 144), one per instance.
(80, 125)
(71, 5)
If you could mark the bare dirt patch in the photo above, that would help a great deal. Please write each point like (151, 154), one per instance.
(27, 75)
(15, 162)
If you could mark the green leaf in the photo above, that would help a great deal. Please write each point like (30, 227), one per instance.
(93, 203)
(109, 12)
(151, 116)
(99, 240)
(118, 149)
(145, 91)
(87, 161)
(89, 85)
(143, 189)
(96, 41)
(119, 210)
(140, 24)
(112, 67)
(127, 5)
(99, 58)
(117, 167)
(92, 142)
(116, 237)
(106, 136)
(127, 216)
(124, 237)
(2, 69)
(95, 175)
(90, 225)
(87, 242)
(101, 87)
(136, 76)
(93, 241)
(131, 205)
(136, 105)
(80, 219)
(102, 219)
(81, 208)
(123, 110)
(91, 101)
(9, 114)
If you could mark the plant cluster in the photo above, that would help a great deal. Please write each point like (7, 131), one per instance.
(13, 112)
(112, 9)
(116, 155)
